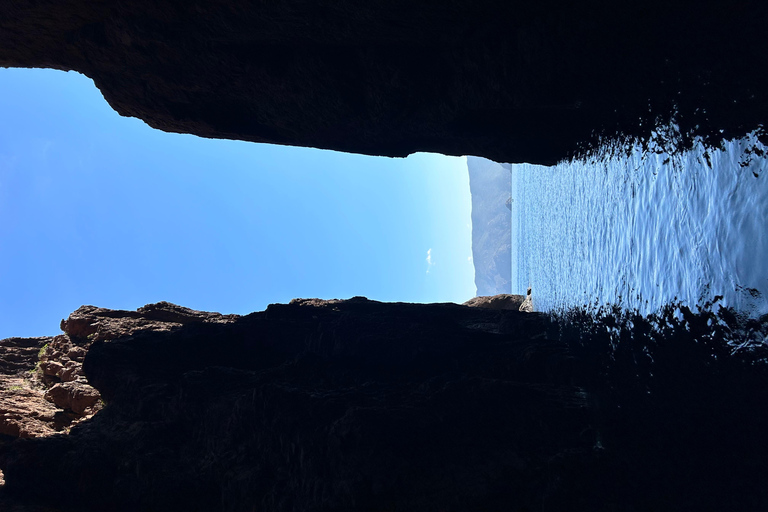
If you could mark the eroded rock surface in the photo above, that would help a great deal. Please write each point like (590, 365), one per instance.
(98, 324)
(509, 80)
(501, 301)
(351, 405)
(24, 412)
(43, 390)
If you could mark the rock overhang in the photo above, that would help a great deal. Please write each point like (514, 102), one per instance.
(511, 81)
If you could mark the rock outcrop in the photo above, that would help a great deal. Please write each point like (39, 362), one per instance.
(510, 302)
(500, 301)
(24, 412)
(509, 80)
(61, 369)
(90, 323)
(358, 405)
(527, 305)
(43, 389)
(42, 386)
(490, 185)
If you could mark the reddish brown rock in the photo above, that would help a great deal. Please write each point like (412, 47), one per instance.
(23, 410)
(20, 354)
(43, 389)
(42, 386)
(61, 360)
(78, 397)
(501, 301)
(90, 323)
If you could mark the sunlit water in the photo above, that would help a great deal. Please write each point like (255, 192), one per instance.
(645, 228)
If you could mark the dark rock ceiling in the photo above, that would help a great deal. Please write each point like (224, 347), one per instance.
(509, 80)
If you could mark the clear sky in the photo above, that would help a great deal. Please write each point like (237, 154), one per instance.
(100, 209)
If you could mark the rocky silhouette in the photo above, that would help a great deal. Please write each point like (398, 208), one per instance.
(359, 405)
(513, 81)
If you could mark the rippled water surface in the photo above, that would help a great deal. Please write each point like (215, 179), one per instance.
(642, 228)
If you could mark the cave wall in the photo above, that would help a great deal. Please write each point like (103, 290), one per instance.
(509, 80)
(356, 405)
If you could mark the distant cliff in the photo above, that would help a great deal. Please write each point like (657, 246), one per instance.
(490, 184)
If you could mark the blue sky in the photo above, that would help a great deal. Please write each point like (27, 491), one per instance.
(100, 209)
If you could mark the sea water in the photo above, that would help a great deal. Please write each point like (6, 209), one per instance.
(641, 226)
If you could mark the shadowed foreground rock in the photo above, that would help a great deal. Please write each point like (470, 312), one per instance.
(42, 386)
(510, 80)
(359, 405)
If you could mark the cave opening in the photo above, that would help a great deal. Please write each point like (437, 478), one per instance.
(358, 404)
(100, 209)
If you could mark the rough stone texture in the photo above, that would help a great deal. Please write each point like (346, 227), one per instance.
(43, 389)
(527, 305)
(61, 360)
(501, 301)
(18, 355)
(74, 397)
(509, 80)
(23, 410)
(359, 405)
(99, 324)
(60, 369)
(490, 186)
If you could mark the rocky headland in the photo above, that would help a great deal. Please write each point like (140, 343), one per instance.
(350, 405)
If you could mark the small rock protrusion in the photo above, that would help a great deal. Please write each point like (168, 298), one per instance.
(527, 305)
